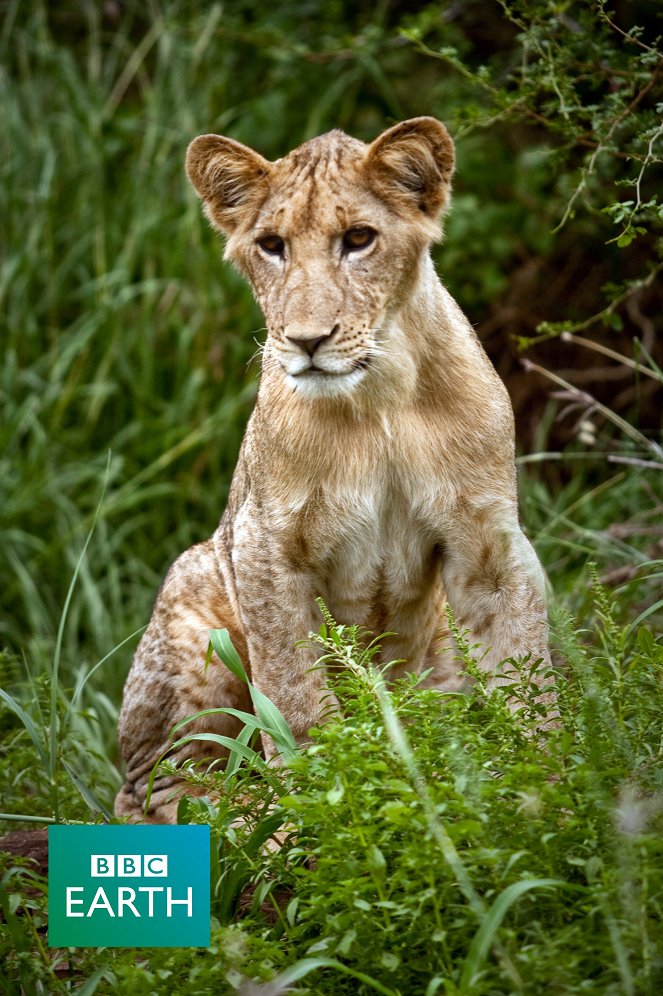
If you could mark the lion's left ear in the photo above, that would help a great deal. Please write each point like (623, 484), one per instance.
(411, 165)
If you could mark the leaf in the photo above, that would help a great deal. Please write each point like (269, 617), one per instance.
(246, 717)
(302, 968)
(626, 238)
(27, 723)
(646, 641)
(233, 745)
(265, 829)
(235, 759)
(291, 910)
(272, 720)
(64, 615)
(644, 615)
(225, 651)
(95, 805)
(247, 753)
(485, 935)
(88, 674)
(375, 860)
(336, 793)
(90, 985)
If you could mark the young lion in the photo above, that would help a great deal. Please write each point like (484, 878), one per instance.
(377, 469)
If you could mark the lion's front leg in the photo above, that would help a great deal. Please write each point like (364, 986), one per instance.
(276, 594)
(169, 682)
(496, 589)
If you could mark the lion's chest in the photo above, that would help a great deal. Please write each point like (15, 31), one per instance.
(372, 549)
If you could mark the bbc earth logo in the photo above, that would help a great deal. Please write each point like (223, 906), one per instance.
(129, 886)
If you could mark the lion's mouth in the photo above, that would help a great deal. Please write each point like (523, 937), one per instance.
(315, 371)
(317, 382)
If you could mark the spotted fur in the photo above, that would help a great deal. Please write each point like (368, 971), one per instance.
(377, 469)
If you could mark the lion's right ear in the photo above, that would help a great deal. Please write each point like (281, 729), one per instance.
(231, 179)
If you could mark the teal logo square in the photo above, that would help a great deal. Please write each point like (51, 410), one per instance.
(128, 886)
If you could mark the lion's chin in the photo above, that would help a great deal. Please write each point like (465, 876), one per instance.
(315, 383)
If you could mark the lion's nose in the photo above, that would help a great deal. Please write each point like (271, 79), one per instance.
(309, 344)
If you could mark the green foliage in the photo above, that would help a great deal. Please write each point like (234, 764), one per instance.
(575, 73)
(427, 844)
(74, 782)
(384, 893)
(432, 842)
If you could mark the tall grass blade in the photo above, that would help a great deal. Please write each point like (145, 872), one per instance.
(88, 674)
(90, 798)
(283, 982)
(55, 673)
(486, 934)
(27, 723)
(225, 651)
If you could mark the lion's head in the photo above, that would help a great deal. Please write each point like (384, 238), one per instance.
(331, 238)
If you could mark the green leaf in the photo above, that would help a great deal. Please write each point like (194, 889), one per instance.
(485, 935)
(336, 793)
(645, 641)
(91, 799)
(235, 759)
(247, 753)
(225, 651)
(236, 746)
(271, 719)
(626, 238)
(90, 985)
(273, 722)
(27, 723)
(307, 965)
(246, 717)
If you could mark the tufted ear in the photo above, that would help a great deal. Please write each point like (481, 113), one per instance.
(231, 179)
(411, 164)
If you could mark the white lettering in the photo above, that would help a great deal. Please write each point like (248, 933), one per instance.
(155, 865)
(100, 902)
(102, 865)
(170, 902)
(71, 900)
(128, 865)
(150, 890)
(126, 900)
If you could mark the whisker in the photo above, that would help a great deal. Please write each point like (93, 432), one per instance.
(260, 347)
(379, 349)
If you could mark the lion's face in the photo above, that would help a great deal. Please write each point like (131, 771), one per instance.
(330, 238)
(328, 262)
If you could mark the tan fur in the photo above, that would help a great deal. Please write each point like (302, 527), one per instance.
(383, 480)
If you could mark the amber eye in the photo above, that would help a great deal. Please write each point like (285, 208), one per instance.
(272, 244)
(358, 238)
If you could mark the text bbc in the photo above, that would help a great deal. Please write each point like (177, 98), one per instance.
(128, 865)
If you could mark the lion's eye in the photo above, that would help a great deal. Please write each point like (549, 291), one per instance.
(358, 238)
(272, 244)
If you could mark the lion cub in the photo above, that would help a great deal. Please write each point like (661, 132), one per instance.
(377, 469)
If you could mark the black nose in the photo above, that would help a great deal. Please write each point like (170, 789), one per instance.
(310, 344)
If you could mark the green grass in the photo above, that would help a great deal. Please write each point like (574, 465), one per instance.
(431, 843)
